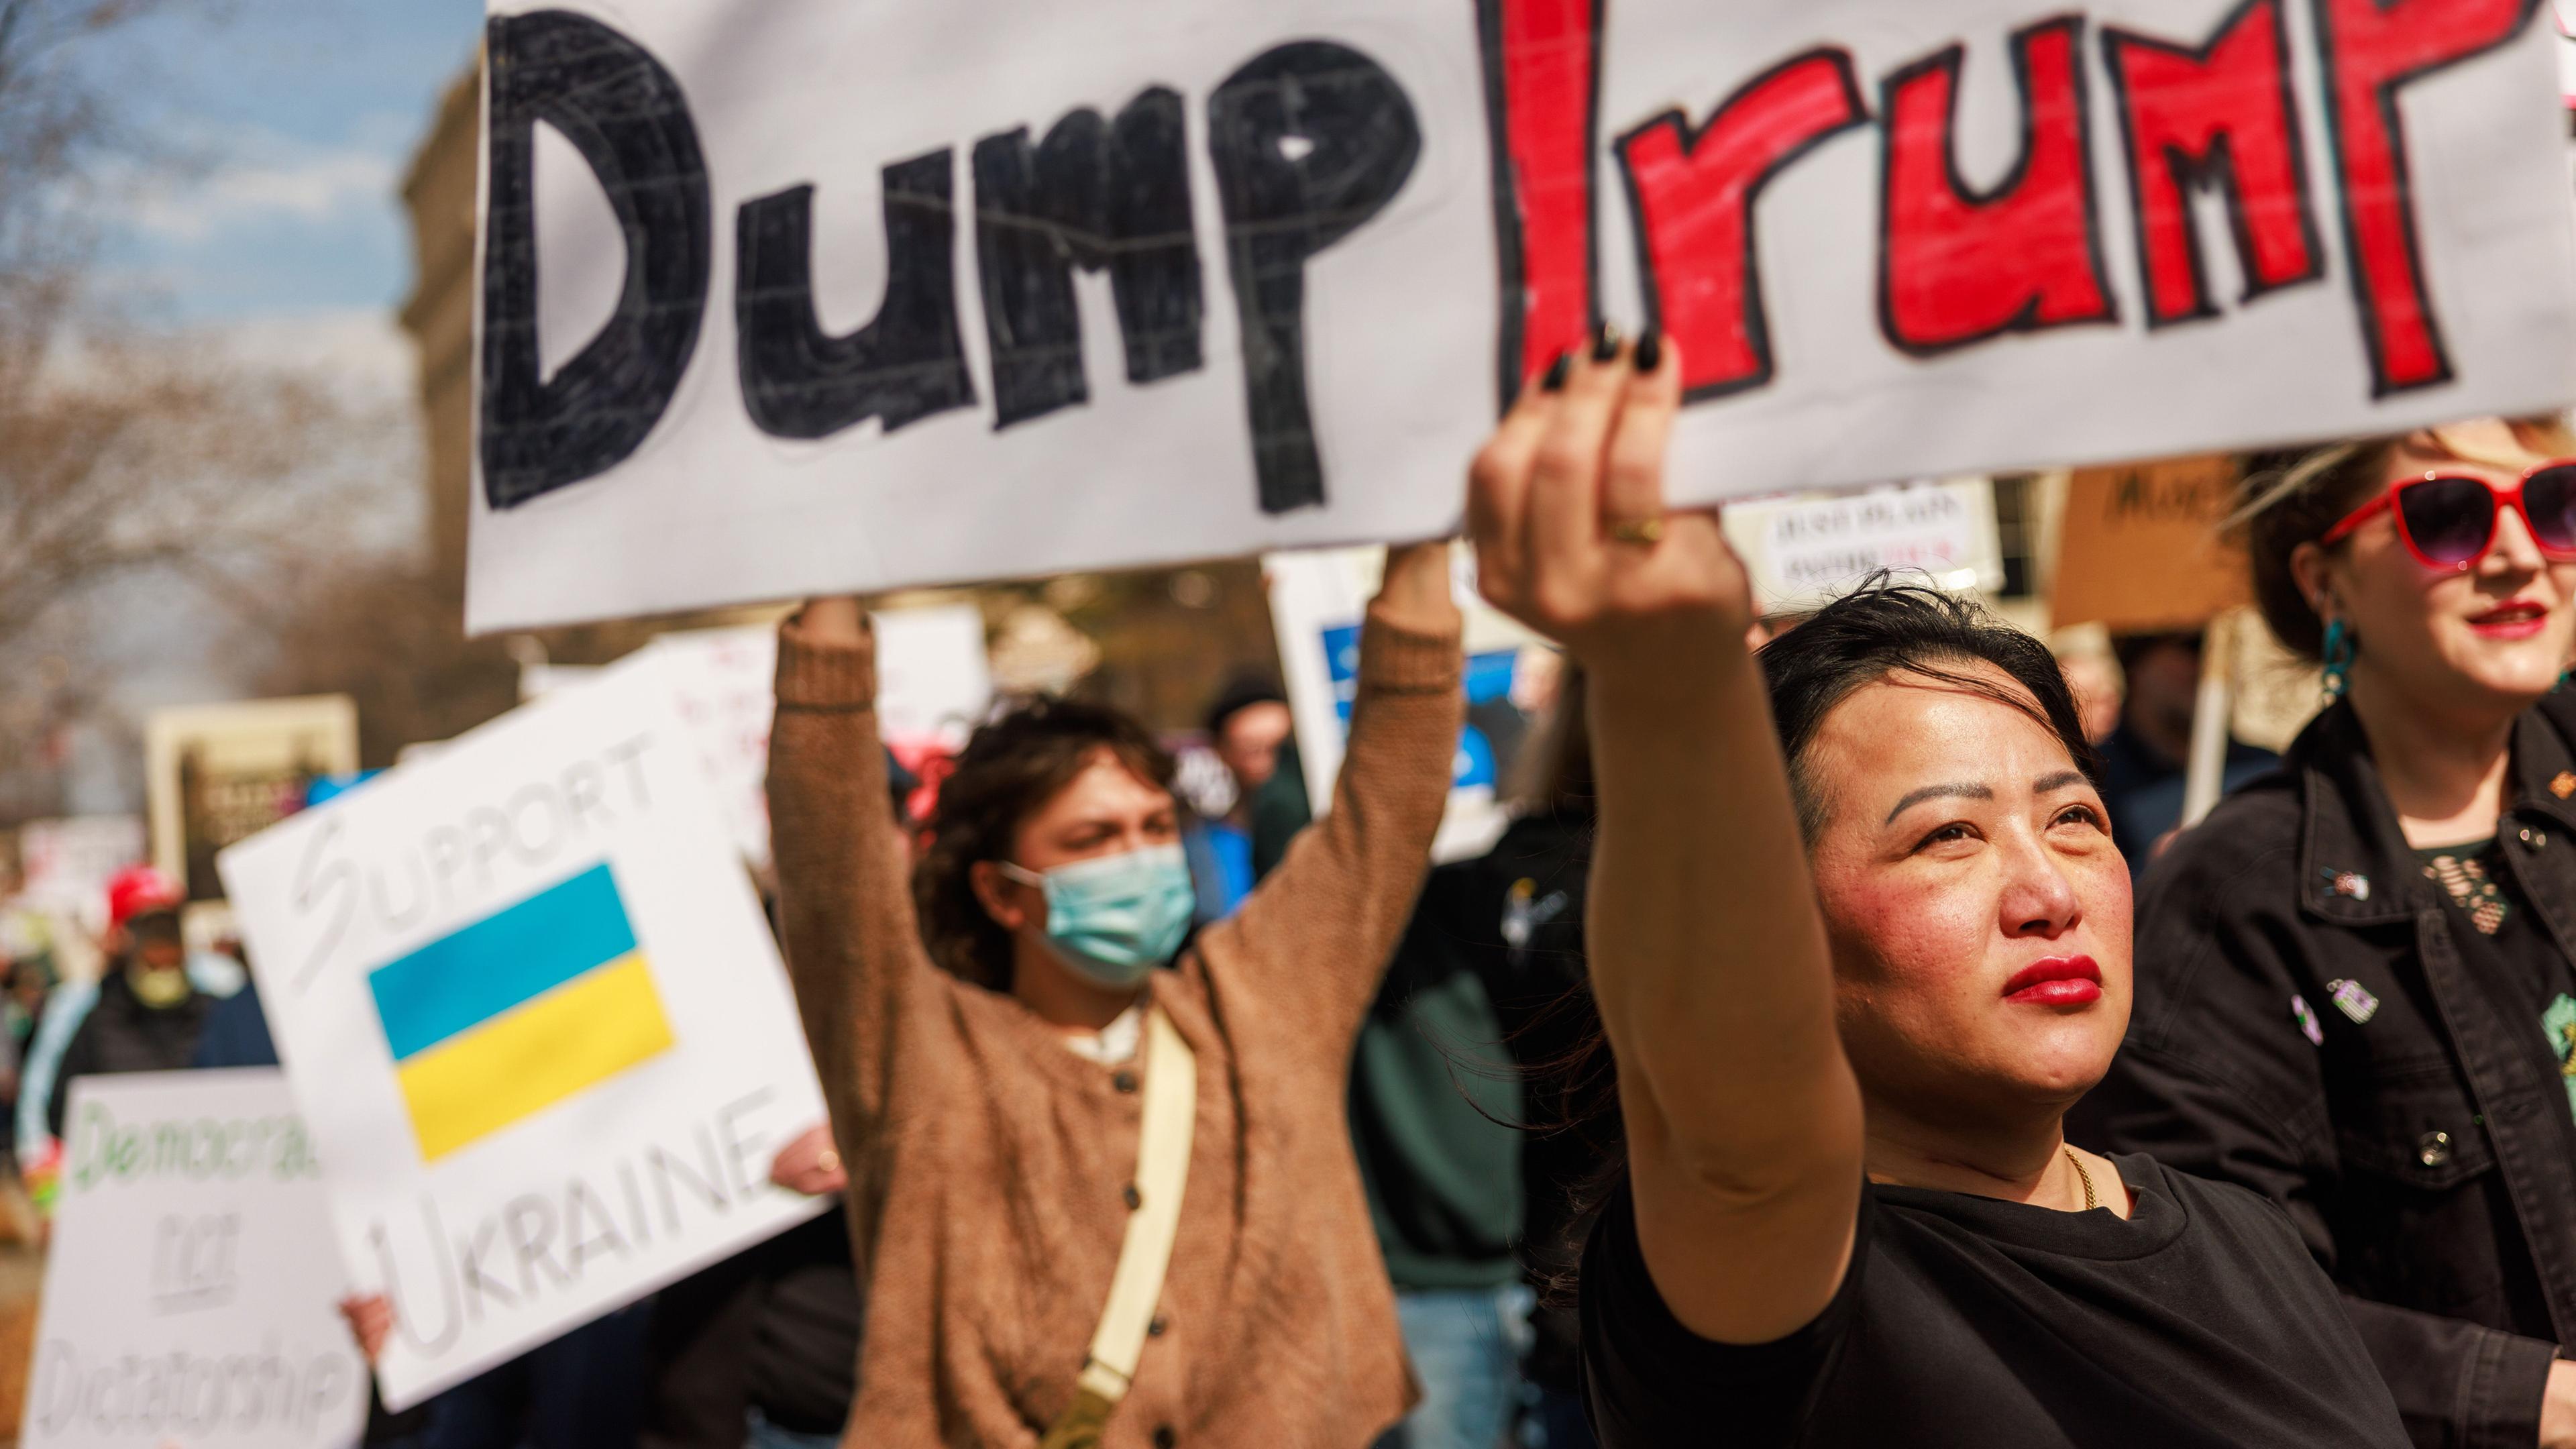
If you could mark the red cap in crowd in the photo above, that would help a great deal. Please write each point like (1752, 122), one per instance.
(139, 889)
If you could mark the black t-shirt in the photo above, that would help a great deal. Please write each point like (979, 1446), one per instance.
(2198, 1323)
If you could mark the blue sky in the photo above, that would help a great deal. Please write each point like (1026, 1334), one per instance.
(299, 117)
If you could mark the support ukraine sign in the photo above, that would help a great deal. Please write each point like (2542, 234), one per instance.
(505, 1017)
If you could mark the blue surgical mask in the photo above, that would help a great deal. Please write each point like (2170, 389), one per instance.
(1115, 918)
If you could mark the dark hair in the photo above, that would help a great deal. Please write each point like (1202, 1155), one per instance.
(1553, 775)
(2290, 497)
(1885, 628)
(1880, 629)
(1241, 692)
(1008, 771)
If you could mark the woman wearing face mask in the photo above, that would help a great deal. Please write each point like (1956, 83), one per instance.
(2356, 989)
(1858, 936)
(992, 1095)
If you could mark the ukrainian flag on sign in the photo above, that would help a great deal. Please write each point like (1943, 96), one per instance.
(518, 1011)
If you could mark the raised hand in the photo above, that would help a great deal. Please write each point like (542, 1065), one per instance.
(1566, 506)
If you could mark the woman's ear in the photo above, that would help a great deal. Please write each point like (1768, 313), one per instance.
(997, 894)
(2308, 568)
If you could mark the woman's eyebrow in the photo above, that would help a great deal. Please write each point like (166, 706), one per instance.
(2047, 784)
(1938, 792)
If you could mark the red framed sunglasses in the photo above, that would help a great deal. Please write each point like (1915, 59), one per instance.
(2448, 520)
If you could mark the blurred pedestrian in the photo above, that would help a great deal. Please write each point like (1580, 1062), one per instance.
(2144, 760)
(1052, 1139)
(147, 1012)
(2357, 986)
(1459, 1115)
(1248, 729)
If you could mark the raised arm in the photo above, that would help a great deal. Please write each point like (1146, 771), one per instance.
(1323, 926)
(1708, 955)
(845, 906)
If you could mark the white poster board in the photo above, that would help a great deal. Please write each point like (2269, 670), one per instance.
(65, 864)
(1318, 600)
(1801, 552)
(934, 684)
(829, 296)
(532, 1013)
(188, 1301)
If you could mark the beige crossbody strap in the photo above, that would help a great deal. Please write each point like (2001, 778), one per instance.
(1162, 1173)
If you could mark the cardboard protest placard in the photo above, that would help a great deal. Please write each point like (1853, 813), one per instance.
(220, 773)
(186, 1303)
(534, 1017)
(1803, 551)
(1260, 277)
(1317, 602)
(2141, 550)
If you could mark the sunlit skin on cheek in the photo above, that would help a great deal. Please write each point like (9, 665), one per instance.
(1963, 848)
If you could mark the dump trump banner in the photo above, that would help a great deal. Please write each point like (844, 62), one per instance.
(789, 296)
(185, 1300)
(531, 1010)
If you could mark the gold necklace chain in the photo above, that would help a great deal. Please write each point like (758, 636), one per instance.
(2090, 1202)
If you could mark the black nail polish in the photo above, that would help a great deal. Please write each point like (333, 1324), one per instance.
(1605, 343)
(1556, 373)
(1650, 348)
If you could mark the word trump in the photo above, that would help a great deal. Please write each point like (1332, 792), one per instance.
(1958, 264)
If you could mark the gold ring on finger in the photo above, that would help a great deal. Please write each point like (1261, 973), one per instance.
(1647, 531)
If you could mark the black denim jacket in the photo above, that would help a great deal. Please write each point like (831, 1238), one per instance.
(2307, 1025)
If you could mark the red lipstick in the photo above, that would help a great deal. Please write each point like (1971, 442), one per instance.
(2057, 981)
(2514, 619)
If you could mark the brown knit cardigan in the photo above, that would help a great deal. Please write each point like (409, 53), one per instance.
(988, 1163)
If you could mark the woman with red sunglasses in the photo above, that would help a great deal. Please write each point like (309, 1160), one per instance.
(2356, 981)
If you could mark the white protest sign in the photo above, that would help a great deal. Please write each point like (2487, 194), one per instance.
(535, 1020)
(933, 685)
(790, 296)
(187, 1304)
(65, 865)
(1317, 602)
(722, 682)
(1803, 551)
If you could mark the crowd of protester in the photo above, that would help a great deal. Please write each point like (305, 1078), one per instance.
(1845, 1043)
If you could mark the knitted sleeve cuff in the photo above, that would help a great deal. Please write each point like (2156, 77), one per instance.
(813, 674)
(1399, 660)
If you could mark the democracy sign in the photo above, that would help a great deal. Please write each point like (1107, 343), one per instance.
(538, 1026)
(185, 1303)
(786, 296)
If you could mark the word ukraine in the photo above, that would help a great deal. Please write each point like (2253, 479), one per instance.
(1312, 139)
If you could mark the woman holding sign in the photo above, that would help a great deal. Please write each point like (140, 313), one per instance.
(1095, 1199)
(1849, 986)
(2358, 982)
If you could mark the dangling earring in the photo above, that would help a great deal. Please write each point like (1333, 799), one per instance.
(2338, 657)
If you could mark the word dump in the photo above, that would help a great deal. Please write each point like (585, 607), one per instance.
(1960, 264)
(446, 1274)
(1309, 141)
